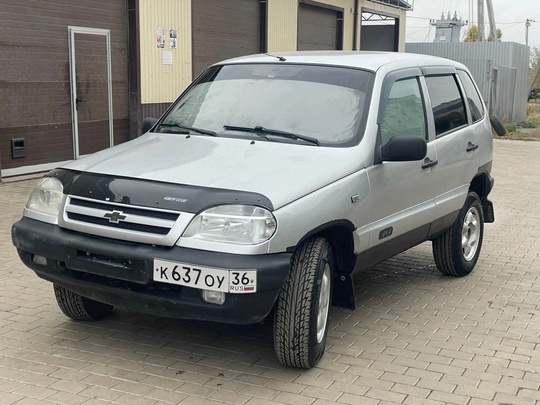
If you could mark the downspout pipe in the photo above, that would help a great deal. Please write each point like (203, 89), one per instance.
(355, 25)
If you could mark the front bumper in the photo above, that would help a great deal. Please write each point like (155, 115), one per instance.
(120, 273)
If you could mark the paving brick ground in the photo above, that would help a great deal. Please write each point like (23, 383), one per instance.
(417, 337)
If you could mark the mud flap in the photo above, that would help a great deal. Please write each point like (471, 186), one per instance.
(489, 213)
(343, 294)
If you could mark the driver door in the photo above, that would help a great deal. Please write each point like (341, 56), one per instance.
(402, 192)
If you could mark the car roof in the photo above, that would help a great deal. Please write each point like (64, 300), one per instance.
(369, 60)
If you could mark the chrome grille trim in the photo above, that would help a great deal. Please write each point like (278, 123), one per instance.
(122, 221)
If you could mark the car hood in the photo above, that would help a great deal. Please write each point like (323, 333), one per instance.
(283, 172)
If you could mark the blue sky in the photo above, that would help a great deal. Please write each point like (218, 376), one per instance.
(510, 16)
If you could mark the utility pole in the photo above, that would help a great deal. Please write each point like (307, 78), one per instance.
(480, 21)
(491, 17)
(527, 25)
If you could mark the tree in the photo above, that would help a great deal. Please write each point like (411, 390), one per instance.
(471, 35)
(535, 61)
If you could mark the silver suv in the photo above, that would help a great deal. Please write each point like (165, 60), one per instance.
(264, 188)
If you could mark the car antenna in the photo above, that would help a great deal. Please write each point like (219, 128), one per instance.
(281, 58)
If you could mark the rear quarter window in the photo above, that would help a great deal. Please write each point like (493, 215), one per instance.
(473, 98)
(447, 103)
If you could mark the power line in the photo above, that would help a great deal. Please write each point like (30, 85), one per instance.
(419, 18)
(427, 36)
(415, 32)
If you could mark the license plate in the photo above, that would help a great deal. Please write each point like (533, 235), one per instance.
(205, 278)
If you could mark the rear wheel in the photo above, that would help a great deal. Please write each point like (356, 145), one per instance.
(78, 307)
(457, 250)
(301, 315)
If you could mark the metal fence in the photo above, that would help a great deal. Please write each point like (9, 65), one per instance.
(499, 68)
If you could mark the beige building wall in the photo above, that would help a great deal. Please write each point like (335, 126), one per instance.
(282, 32)
(166, 71)
(165, 63)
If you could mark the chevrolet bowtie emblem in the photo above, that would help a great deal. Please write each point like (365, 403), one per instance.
(115, 217)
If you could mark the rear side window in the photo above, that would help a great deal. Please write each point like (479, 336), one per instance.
(475, 103)
(447, 103)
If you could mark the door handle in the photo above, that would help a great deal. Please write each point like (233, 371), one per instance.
(471, 146)
(429, 163)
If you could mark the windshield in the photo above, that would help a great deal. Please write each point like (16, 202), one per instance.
(325, 103)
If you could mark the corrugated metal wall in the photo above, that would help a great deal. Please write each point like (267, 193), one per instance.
(500, 55)
(506, 78)
(482, 72)
(378, 38)
(166, 65)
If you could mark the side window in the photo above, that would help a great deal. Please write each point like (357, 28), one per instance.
(404, 112)
(475, 103)
(448, 106)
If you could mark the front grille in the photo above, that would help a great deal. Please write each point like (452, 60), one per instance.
(123, 221)
(121, 225)
(170, 216)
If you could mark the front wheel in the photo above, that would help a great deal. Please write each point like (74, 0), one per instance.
(457, 250)
(301, 316)
(80, 308)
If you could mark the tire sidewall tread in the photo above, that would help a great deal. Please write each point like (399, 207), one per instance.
(79, 308)
(295, 320)
(447, 249)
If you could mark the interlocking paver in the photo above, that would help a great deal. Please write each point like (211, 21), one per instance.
(417, 337)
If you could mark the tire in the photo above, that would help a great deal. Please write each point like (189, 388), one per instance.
(301, 312)
(497, 125)
(457, 250)
(80, 308)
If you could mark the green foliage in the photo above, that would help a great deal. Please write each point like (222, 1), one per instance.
(471, 34)
(535, 122)
(535, 60)
(511, 128)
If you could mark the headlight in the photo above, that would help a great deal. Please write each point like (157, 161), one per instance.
(47, 196)
(238, 224)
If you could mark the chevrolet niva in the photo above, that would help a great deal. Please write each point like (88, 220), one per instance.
(264, 188)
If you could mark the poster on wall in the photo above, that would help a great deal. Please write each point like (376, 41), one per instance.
(172, 35)
(160, 38)
(166, 58)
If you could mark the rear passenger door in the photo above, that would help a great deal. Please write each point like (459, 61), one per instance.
(456, 142)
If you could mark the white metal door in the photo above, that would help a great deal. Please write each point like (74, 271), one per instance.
(91, 89)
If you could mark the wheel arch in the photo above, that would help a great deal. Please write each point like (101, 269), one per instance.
(340, 235)
(482, 185)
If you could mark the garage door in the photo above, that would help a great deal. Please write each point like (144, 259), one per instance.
(318, 28)
(224, 29)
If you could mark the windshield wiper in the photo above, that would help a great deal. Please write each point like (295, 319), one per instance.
(198, 130)
(262, 131)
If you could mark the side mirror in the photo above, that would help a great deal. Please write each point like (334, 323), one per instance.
(404, 149)
(147, 124)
